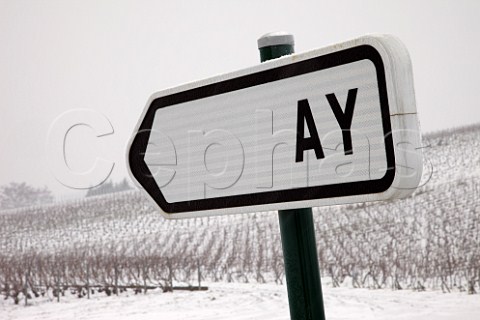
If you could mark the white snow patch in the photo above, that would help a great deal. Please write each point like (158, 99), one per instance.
(249, 301)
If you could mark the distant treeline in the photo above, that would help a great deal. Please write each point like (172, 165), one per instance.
(109, 187)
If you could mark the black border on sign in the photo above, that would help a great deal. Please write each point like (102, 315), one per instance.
(138, 147)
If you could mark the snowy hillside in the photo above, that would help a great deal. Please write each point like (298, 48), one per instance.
(107, 244)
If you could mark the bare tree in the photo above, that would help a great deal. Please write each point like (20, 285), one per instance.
(17, 195)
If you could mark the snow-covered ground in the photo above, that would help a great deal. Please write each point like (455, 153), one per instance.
(251, 301)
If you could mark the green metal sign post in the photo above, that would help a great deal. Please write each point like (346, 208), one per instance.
(296, 225)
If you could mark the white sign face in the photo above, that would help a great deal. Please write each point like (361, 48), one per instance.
(330, 126)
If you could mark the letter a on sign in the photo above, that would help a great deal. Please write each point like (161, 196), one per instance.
(304, 114)
(332, 121)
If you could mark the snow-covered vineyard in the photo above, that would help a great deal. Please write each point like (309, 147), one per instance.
(117, 242)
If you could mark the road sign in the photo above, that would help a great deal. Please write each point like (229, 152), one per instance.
(329, 126)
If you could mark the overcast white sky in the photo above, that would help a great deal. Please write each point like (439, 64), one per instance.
(110, 56)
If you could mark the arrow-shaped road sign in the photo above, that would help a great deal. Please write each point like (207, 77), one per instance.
(329, 126)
